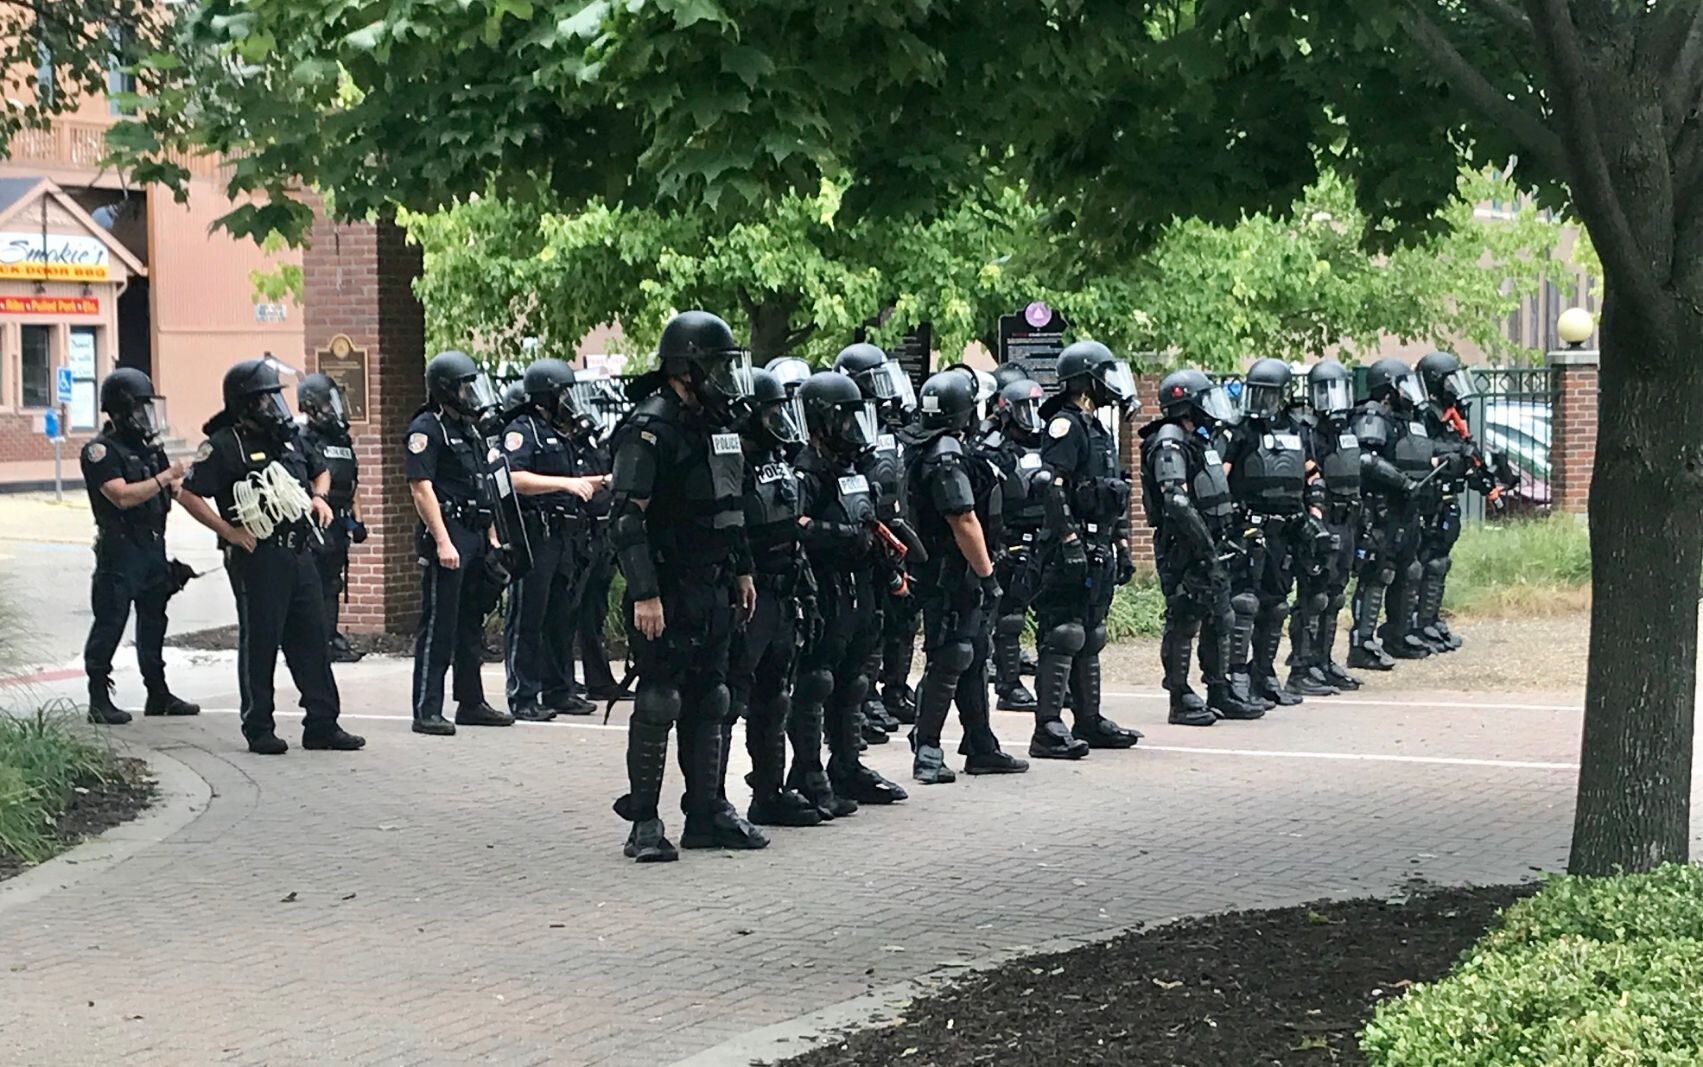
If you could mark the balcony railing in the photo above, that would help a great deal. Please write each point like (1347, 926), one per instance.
(81, 143)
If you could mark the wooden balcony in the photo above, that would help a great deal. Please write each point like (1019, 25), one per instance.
(80, 144)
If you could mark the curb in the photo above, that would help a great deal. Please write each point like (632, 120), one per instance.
(878, 1007)
(182, 796)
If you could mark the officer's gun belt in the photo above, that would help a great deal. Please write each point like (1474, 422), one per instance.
(466, 512)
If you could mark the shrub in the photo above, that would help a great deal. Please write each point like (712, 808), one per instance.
(44, 757)
(1589, 971)
(1517, 568)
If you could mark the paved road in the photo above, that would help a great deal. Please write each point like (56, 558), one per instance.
(465, 901)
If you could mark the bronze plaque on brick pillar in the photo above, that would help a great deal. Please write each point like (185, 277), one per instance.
(346, 365)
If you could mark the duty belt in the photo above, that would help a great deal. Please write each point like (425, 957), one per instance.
(135, 535)
(466, 512)
(555, 520)
(702, 574)
(781, 583)
(292, 538)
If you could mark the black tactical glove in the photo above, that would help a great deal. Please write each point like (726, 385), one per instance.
(991, 593)
(180, 574)
(497, 566)
(357, 530)
(1126, 566)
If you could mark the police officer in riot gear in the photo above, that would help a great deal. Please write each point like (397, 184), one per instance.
(1185, 496)
(593, 461)
(541, 617)
(1014, 447)
(957, 500)
(269, 491)
(678, 533)
(326, 430)
(1395, 463)
(1093, 558)
(1268, 472)
(760, 668)
(445, 466)
(1335, 492)
(840, 535)
(130, 484)
(1449, 392)
(885, 384)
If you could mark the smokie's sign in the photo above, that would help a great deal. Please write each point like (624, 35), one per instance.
(54, 257)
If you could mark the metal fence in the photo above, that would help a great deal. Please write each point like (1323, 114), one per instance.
(1513, 415)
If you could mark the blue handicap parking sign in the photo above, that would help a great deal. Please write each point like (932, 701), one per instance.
(62, 384)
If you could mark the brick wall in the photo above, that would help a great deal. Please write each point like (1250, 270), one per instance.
(21, 439)
(1140, 534)
(1573, 430)
(358, 280)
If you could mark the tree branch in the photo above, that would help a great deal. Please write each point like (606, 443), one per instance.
(1681, 86)
(1507, 14)
(746, 302)
(799, 336)
(1527, 128)
(1633, 272)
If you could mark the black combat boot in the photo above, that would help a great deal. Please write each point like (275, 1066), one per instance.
(531, 713)
(161, 701)
(1326, 669)
(647, 759)
(711, 822)
(846, 771)
(1175, 648)
(268, 745)
(772, 804)
(333, 738)
(1221, 697)
(807, 778)
(341, 651)
(434, 726)
(1052, 740)
(1365, 651)
(1091, 726)
(901, 703)
(102, 710)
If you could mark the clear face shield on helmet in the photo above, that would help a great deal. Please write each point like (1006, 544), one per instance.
(1409, 389)
(790, 371)
(783, 420)
(599, 399)
(1024, 415)
(857, 429)
(474, 395)
(895, 388)
(147, 419)
(729, 374)
(1119, 382)
(1459, 387)
(1215, 404)
(268, 411)
(331, 412)
(1330, 397)
(1262, 400)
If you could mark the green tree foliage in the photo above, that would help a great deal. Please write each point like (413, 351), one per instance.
(55, 53)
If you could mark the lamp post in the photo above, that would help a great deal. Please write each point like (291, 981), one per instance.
(1575, 327)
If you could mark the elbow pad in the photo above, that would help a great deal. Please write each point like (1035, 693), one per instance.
(632, 551)
(1381, 472)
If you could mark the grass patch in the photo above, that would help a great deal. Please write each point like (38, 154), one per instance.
(1518, 569)
(45, 757)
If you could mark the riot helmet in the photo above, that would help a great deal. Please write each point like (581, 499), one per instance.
(512, 397)
(549, 386)
(948, 402)
(1190, 394)
(1330, 389)
(598, 399)
(777, 416)
(1088, 367)
(254, 398)
(128, 396)
(321, 403)
(790, 371)
(1444, 380)
(1393, 381)
(1265, 389)
(455, 382)
(1006, 373)
(837, 413)
(880, 377)
(699, 348)
(1018, 409)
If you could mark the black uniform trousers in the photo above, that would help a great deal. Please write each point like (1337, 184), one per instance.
(1069, 599)
(760, 676)
(332, 561)
(452, 620)
(128, 574)
(682, 676)
(952, 618)
(279, 608)
(899, 621)
(540, 617)
(593, 618)
(837, 657)
(1019, 574)
(1197, 602)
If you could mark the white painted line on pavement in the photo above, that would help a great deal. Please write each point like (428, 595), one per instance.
(1259, 753)
(1344, 701)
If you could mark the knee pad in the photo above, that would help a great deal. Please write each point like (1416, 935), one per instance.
(716, 704)
(1009, 626)
(1094, 640)
(1336, 603)
(1274, 613)
(954, 656)
(1245, 604)
(1317, 604)
(814, 686)
(1413, 571)
(1386, 574)
(856, 689)
(1067, 637)
(657, 704)
(1183, 624)
(1438, 567)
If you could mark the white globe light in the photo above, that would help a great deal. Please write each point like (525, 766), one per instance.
(1575, 326)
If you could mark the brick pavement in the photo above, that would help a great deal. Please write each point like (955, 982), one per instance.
(465, 901)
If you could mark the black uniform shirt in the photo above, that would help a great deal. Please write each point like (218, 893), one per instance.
(337, 452)
(108, 456)
(447, 453)
(532, 444)
(231, 455)
(1082, 455)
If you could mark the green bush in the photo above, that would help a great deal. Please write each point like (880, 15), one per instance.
(1520, 567)
(1589, 971)
(44, 757)
(1138, 610)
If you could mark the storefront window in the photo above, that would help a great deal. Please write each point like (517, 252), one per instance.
(36, 364)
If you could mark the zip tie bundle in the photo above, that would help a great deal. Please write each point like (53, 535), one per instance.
(268, 497)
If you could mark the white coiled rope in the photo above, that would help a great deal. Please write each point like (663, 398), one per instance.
(268, 497)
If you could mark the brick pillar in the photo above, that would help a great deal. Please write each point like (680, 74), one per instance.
(1573, 429)
(357, 280)
(1129, 444)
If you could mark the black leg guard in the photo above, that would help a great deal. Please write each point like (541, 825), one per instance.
(1364, 648)
(946, 664)
(1403, 598)
(655, 707)
(1176, 646)
(1333, 673)
(846, 771)
(1432, 629)
(1306, 673)
(1058, 649)
(1091, 726)
(1244, 608)
(1262, 667)
(1215, 659)
(1008, 665)
(711, 821)
(772, 804)
(804, 729)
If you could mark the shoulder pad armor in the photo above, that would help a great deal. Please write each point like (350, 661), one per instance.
(1169, 433)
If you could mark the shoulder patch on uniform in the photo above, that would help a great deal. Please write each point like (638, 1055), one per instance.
(513, 440)
(647, 437)
(204, 451)
(1059, 427)
(96, 451)
(416, 443)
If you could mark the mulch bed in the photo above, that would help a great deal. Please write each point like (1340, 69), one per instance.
(105, 805)
(1289, 987)
(224, 639)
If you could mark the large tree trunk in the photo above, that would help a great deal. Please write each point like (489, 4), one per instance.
(771, 329)
(1646, 511)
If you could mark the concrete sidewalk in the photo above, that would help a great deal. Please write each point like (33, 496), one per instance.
(465, 900)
